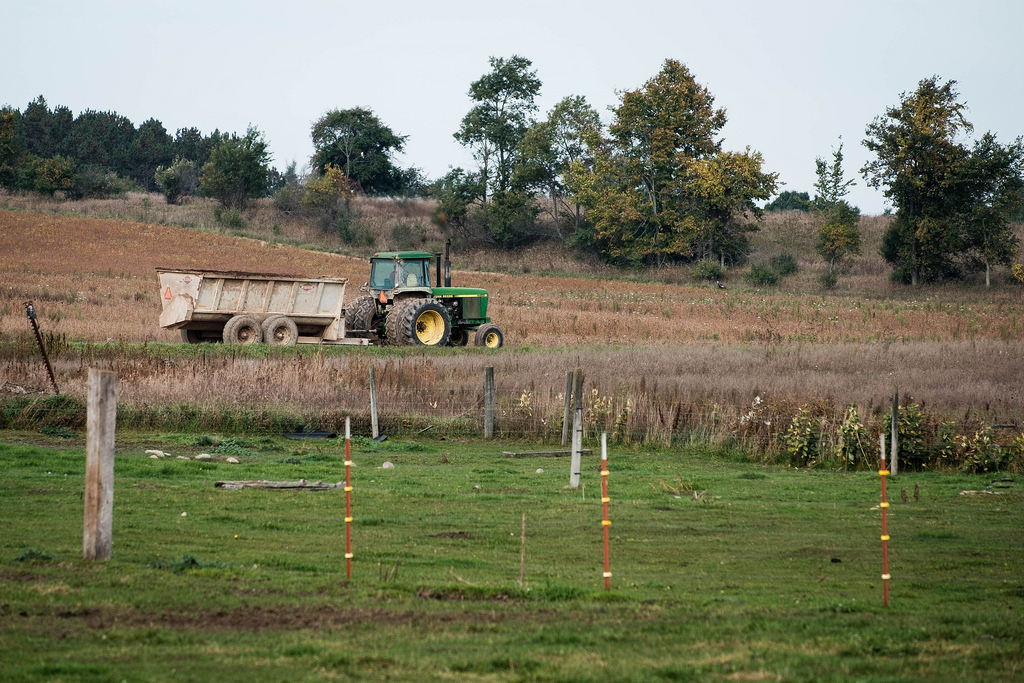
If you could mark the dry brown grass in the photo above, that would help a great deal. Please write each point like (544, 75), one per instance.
(662, 360)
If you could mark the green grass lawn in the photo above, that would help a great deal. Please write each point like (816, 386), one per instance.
(722, 569)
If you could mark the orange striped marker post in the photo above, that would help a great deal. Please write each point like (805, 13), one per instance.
(348, 499)
(884, 505)
(605, 522)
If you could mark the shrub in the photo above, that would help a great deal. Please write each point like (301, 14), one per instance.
(94, 181)
(352, 230)
(761, 275)
(707, 269)
(910, 434)
(229, 218)
(981, 453)
(177, 180)
(406, 236)
(852, 439)
(802, 438)
(828, 279)
(784, 264)
(53, 175)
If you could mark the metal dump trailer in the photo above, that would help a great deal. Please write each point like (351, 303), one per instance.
(250, 308)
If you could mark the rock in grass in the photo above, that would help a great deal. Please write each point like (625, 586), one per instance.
(157, 453)
(388, 465)
(232, 460)
(203, 456)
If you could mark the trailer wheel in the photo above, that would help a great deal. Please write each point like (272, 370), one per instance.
(459, 337)
(280, 330)
(243, 329)
(489, 335)
(192, 336)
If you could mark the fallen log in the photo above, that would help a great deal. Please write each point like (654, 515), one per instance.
(534, 454)
(301, 484)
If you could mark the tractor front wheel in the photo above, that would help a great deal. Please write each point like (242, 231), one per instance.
(489, 335)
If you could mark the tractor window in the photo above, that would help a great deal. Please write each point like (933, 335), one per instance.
(383, 274)
(388, 274)
(415, 274)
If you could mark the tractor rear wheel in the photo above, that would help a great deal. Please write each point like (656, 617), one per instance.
(360, 314)
(489, 335)
(419, 322)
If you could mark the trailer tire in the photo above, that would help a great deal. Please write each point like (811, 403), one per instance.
(360, 314)
(280, 330)
(192, 336)
(243, 329)
(489, 335)
(419, 322)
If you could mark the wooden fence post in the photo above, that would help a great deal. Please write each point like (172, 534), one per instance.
(373, 402)
(101, 424)
(567, 417)
(488, 402)
(576, 465)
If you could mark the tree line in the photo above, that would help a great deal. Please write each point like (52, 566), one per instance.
(654, 185)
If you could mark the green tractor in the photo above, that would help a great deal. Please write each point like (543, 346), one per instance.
(403, 309)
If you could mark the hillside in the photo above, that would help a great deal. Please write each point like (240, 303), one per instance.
(662, 357)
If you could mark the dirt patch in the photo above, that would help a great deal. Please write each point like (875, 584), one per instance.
(257, 618)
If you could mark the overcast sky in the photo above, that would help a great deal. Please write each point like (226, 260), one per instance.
(792, 75)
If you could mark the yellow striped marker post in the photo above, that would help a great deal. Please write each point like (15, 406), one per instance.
(605, 522)
(348, 499)
(884, 505)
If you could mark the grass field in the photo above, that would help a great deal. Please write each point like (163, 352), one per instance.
(722, 570)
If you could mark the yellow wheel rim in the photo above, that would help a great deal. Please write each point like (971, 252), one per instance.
(429, 328)
(492, 340)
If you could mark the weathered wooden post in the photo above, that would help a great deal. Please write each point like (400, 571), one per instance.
(576, 466)
(567, 416)
(489, 402)
(894, 446)
(101, 423)
(373, 403)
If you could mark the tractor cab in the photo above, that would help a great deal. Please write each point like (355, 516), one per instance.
(403, 271)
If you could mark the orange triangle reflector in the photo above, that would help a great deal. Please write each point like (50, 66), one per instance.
(383, 299)
(167, 294)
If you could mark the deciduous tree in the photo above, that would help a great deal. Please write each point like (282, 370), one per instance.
(359, 144)
(919, 163)
(547, 152)
(953, 203)
(493, 129)
(237, 169)
(839, 233)
(660, 186)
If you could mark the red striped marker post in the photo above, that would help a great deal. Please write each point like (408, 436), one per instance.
(605, 522)
(884, 505)
(348, 499)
